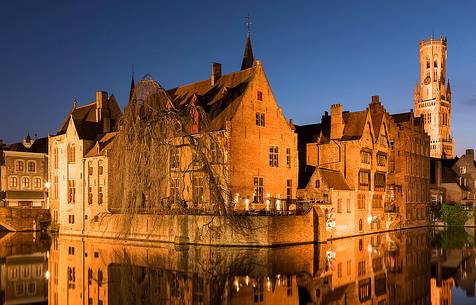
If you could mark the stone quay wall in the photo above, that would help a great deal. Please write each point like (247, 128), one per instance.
(208, 230)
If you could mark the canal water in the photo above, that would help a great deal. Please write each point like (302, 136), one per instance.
(420, 266)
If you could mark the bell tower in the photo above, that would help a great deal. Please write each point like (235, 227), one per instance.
(432, 97)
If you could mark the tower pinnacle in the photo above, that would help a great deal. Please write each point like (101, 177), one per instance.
(248, 58)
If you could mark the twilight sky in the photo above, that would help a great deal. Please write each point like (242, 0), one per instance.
(315, 53)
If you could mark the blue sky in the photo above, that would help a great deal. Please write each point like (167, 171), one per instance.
(315, 53)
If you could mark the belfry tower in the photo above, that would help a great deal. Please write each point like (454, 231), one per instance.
(432, 97)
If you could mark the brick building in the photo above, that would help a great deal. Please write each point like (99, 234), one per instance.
(367, 149)
(24, 174)
(454, 180)
(408, 195)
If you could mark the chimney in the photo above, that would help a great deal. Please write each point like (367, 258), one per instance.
(216, 73)
(375, 99)
(470, 154)
(101, 101)
(337, 124)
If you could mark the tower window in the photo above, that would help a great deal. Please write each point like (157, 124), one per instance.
(435, 64)
(428, 64)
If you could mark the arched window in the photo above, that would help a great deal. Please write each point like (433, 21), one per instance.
(37, 182)
(428, 64)
(361, 225)
(13, 182)
(19, 165)
(31, 167)
(71, 153)
(25, 182)
(100, 167)
(435, 64)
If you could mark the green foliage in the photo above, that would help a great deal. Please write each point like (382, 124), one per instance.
(453, 215)
(454, 238)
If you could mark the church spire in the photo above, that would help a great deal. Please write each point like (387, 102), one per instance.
(448, 91)
(416, 93)
(248, 58)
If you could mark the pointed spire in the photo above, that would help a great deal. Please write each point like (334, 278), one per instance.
(133, 84)
(448, 91)
(248, 59)
(416, 93)
(75, 103)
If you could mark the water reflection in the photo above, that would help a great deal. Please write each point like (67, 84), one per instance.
(23, 269)
(409, 267)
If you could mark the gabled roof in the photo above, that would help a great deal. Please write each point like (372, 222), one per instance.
(401, 117)
(103, 144)
(334, 179)
(354, 124)
(39, 146)
(304, 175)
(219, 101)
(85, 113)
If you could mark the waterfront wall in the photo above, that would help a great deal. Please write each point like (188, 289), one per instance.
(209, 230)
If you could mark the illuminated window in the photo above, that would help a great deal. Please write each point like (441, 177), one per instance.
(258, 183)
(365, 157)
(55, 158)
(100, 167)
(100, 195)
(365, 290)
(381, 159)
(260, 96)
(90, 168)
(90, 195)
(37, 182)
(361, 201)
(31, 166)
(13, 182)
(379, 180)
(273, 156)
(71, 153)
(364, 179)
(289, 189)
(260, 119)
(19, 165)
(288, 157)
(25, 182)
(71, 191)
(462, 170)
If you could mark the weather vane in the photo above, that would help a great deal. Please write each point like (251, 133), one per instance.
(248, 22)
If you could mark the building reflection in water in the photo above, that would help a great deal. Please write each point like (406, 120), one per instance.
(389, 268)
(23, 269)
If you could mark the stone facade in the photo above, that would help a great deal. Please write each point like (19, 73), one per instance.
(24, 174)
(432, 97)
(83, 130)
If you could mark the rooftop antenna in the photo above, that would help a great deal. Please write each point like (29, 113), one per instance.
(248, 23)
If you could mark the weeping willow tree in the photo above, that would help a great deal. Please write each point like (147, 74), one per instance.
(144, 178)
